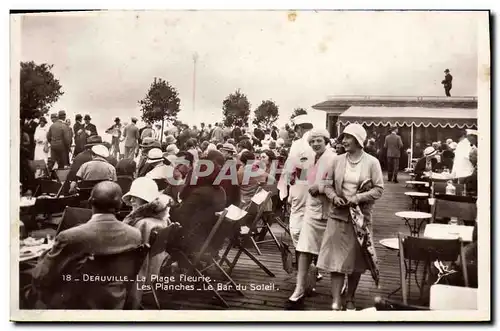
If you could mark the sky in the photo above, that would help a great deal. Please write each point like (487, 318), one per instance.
(106, 62)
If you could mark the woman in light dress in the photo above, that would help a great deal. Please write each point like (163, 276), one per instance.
(40, 137)
(315, 218)
(340, 252)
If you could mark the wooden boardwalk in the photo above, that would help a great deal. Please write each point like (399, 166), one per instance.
(249, 275)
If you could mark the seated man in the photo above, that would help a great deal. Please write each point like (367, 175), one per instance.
(81, 159)
(102, 234)
(426, 164)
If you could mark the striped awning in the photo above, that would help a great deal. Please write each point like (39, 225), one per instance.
(411, 116)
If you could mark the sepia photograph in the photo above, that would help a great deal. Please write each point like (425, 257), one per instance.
(238, 165)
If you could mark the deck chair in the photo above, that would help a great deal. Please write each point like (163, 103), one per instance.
(110, 265)
(74, 216)
(52, 205)
(427, 251)
(159, 240)
(206, 257)
(445, 207)
(245, 235)
(47, 187)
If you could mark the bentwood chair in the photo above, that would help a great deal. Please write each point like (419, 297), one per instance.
(426, 250)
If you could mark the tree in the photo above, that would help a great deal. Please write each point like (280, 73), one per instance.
(266, 114)
(160, 103)
(297, 112)
(39, 89)
(236, 109)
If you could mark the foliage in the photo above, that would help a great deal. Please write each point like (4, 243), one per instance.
(160, 103)
(39, 89)
(236, 109)
(297, 112)
(266, 114)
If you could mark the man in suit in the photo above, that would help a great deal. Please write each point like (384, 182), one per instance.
(131, 134)
(80, 138)
(53, 285)
(447, 82)
(393, 145)
(59, 137)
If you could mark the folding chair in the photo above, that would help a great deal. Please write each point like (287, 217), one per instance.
(426, 250)
(159, 240)
(200, 262)
(52, 205)
(445, 207)
(244, 235)
(72, 217)
(47, 187)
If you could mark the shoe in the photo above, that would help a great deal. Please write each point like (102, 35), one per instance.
(349, 305)
(396, 181)
(295, 305)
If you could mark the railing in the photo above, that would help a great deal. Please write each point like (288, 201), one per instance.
(398, 98)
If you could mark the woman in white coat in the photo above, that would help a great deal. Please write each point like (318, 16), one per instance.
(316, 213)
(40, 137)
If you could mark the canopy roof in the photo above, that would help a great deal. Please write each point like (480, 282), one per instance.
(411, 116)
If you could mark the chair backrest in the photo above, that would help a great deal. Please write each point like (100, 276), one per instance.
(49, 187)
(74, 216)
(125, 182)
(215, 237)
(84, 188)
(447, 208)
(161, 237)
(62, 174)
(257, 208)
(429, 250)
(118, 266)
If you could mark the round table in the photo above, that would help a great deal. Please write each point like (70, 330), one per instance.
(390, 243)
(417, 182)
(415, 196)
(415, 217)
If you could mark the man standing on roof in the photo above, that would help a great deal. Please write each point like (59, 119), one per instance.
(300, 159)
(447, 82)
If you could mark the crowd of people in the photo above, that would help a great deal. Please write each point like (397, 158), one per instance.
(185, 175)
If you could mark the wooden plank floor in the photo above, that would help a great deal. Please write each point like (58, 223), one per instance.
(385, 225)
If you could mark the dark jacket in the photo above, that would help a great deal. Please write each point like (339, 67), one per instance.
(90, 127)
(393, 143)
(59, 135)
(420, 167)
(80, 138)
(102, 234)
(448, 78)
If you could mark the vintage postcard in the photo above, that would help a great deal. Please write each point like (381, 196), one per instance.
(177, 165)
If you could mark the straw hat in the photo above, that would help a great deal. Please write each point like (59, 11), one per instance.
(302, 119)
(143, 188)
(100, 150)
(155, 155)
(429, 151)
(172, 149)
(318, 132)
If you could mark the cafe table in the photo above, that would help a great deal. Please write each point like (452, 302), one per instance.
(414, 220)
(415, 197)
(449, 231)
